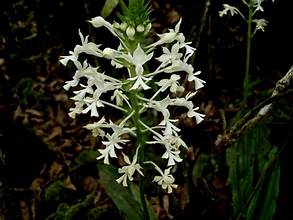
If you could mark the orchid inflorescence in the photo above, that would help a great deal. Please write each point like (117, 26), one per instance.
(137, 95)
(256, 5)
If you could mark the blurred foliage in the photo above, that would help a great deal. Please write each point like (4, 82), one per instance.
(108, 7)
(86, 157)
(82, 210)
(254, 174)
(26, 94)
(56, 192)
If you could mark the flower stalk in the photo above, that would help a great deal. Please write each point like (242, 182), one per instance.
(141, 141)
(246, 80)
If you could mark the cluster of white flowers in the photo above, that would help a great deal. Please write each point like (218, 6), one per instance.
(260, 24)
(132, 94)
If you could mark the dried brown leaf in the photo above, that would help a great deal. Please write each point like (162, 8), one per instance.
(155, 202)
(25, 212)
(34, 112)
(61, 97)
(217, 182)
(55, 170)
(57, 131)
(68, 184)
(90, 183)
(37, 184)
(173, 16)
(166, 205)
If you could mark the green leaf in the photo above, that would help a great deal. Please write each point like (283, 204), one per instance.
(99, 213)
(251, 164)
(270, 201)
(61, 211)
(86, 157)
(120, 195)
(109, 7)
(263, 203)
(55, 192)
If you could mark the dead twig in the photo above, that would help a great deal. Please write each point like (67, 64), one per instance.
(282, 89)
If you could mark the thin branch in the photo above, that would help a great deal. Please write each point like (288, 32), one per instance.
(202, 21)
(282, 89)
(281, 86)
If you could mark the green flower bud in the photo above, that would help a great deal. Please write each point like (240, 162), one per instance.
(116, 25)
(130, 31)
(123, 26)
(148, 28)
(140, 28)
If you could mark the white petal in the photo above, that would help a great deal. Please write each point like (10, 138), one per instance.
(177, 27)
(94, 111)
(198, 83)
(112, 152)
(126, 159)
(119, 180)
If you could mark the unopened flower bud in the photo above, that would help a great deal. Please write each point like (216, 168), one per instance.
(108, 53)
(168, 37)
(140, 28)
(98, 21)
(130, 31)
(148, 28)
(116, 25)
(123, 26)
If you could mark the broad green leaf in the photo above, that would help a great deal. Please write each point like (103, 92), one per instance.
(248, 161)
(271, 193)
(120, 195)
(108, 7)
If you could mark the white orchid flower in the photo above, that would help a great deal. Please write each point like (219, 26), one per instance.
(72, 56)
(168, 37)
(97, 127)
(228, 9)
(172, 83)
(168, 57)
(198, 116)
(87, 47)
(128, 171)
(165, 180)
(198, 83)
(138, 59)
(113, 142)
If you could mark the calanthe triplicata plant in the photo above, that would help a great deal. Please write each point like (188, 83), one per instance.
(254, 24)
(152, 84)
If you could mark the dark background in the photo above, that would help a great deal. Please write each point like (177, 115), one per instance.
(39, 143)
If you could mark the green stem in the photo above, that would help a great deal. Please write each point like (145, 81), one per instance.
(141, 140)
(248, 53)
